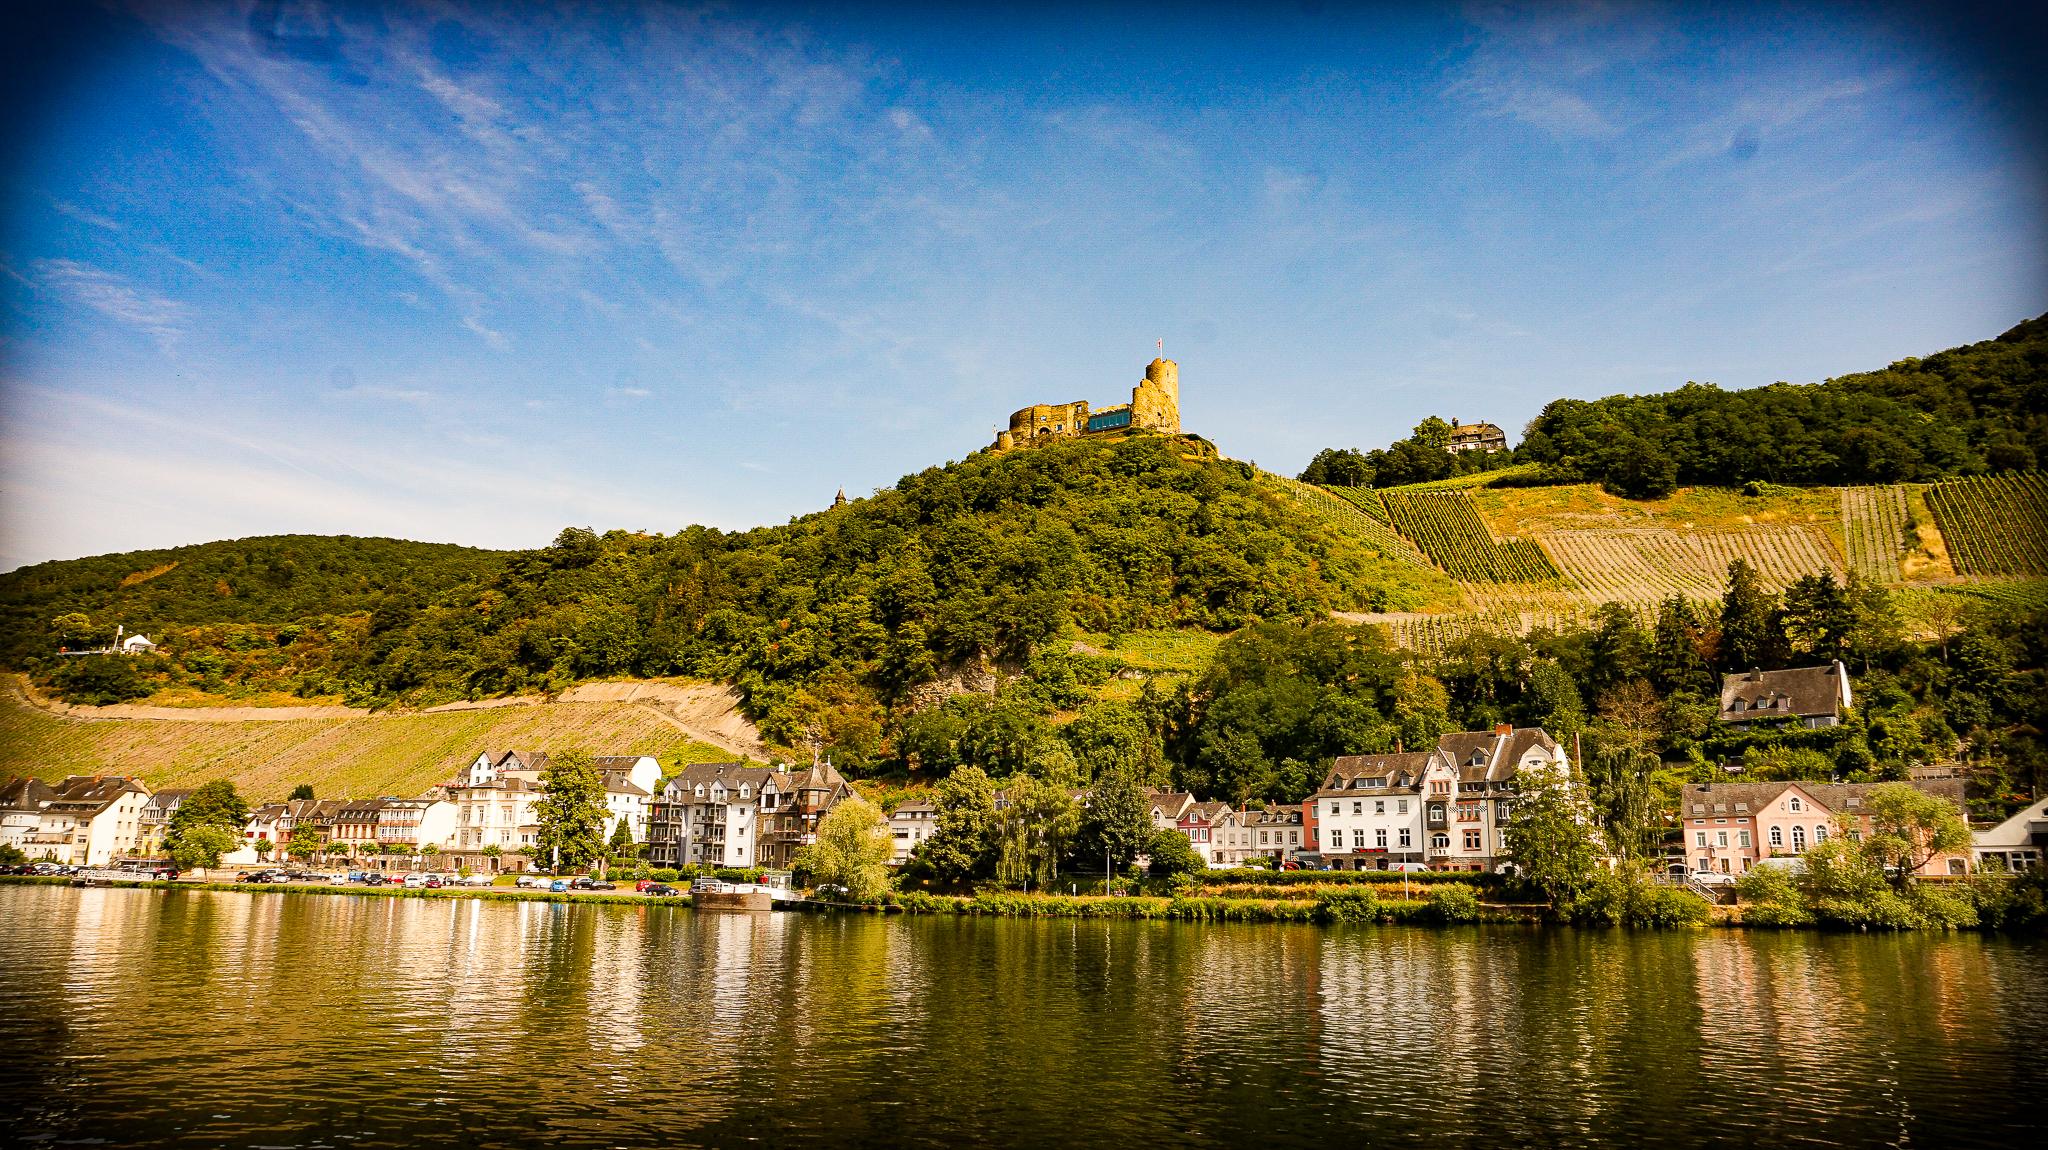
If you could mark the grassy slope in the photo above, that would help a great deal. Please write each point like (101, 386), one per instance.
(343, 757)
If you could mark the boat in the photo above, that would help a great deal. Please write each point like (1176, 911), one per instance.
(713, 894)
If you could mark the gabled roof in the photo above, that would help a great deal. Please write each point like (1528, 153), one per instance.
(617, 783)
(1795, 691)
(1721, 800)
(26, 794)
(81, 793)
(1288, 816)
(1398, 773)
(2017, 831)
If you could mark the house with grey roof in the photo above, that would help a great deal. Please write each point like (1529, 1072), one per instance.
(1795, 697)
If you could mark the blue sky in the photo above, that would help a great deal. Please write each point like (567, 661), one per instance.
(473, 274)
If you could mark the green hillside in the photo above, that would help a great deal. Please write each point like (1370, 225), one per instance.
(825, 624)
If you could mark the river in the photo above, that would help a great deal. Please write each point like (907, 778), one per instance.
(142, 1017)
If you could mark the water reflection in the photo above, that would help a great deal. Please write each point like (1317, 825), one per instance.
(215, 1018)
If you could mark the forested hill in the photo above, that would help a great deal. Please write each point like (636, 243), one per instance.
(823, 623)
(1971, 410)
(275, 579)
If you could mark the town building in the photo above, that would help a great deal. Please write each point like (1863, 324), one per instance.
(910, 824)
(1275, 833)
(496, 814)
(1448, 808)
(1167, 807)
(1476, 437)
(806, 798)
(1369, 810)
(1795, 697)
(89, 820)
(1203, 823)
(21, 810)
(715, 814)
(404, 826)
(1730, 827)
(2019, 843)
(156, 819)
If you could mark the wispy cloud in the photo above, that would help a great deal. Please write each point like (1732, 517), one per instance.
(158, 316)
(1547, 65)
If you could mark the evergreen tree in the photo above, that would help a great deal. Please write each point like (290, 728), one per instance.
(1818, 617)
(622, 845)
(1752, 635)
(571, 811)
(302, 791)
(1677, 643)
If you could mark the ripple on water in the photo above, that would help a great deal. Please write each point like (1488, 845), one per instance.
(217, 1018)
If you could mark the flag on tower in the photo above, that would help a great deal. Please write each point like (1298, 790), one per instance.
(1162, 346)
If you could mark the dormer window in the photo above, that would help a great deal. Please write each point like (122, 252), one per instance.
(745, 790)
(1796, 804)
(1739, 706)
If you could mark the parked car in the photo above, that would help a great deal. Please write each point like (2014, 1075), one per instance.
(357, 876)
(1713, 878)
(434, 882)
(641, 886)
(1409, 867)
(558, 886)
(534, 881)
(582, 882)
(659, 890)
(414, 881)
(475, 880)
(600, 884)
(374, 879)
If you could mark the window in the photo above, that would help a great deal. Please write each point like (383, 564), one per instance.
(1357, 808)
(1721, 839)
(1471, 840)
(1440, 841)
(1402, 807)
(1294, 836)
(1336, 808)
(1262, 838)
(1382, 835)
(1796, 804)
(1743, 839)
(1379, 806)
(1777, 836)
(1337, 839)
(1405, 840)
(1820, 835)
(1702, 835)
(1798, 839)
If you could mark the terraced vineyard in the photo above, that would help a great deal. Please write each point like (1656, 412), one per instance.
(1366, 499)
(1346, 515)
(1874, 528)
(1646, 564)
(1448, 530)
(1996, 526)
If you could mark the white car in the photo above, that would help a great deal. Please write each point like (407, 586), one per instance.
(531, 881)
(475, 880)
(337, 880)
(1713, 878)
(414, 880)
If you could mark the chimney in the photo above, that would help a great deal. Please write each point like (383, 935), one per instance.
(1503, 729)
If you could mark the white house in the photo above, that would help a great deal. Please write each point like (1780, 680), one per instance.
(1369, 811)
(715, 814)
(90, 820)
(910, 824)
(2018, 843)
(21, 810)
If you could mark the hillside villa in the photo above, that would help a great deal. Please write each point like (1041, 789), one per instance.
(1795, 697)
(1730, 827)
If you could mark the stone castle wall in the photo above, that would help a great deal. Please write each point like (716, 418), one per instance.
(1154, 406)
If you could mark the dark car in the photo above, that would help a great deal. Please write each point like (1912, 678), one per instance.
(374, 879)
(582, 882)
(661, 890)
(600, 884)
(434, 882)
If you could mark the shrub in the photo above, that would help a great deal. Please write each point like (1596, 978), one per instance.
(1453, 903)
(1347, 904)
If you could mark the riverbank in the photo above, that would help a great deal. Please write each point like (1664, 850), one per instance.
(484, 894)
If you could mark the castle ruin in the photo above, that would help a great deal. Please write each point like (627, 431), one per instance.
(1154, 406)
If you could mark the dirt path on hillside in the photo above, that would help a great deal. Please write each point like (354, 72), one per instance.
(706, 712)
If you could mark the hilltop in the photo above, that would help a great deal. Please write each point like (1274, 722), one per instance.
(825, 625)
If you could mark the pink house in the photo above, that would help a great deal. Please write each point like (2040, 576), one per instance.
(1730, 827)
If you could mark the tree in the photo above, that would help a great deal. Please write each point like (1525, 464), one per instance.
(1751, 636)
(1550, 840)
(622, 845)
(74, 631)
(202, 846)
(963, 844)
(263, 847)
(1818, 616)
(852, 850)
(1172, 854)
(213, 804)
(1117, 825)
(1622, 773)
(1909, 827)
(1034, 831)
(304, 842)
(11, 855)
(302, 791)
(571, 812)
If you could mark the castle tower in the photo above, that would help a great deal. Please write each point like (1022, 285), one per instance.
(1155, 402)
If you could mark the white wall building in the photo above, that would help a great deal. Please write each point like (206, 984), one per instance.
(910, 824)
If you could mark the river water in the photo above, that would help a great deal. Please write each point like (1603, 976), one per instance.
(139, 1017)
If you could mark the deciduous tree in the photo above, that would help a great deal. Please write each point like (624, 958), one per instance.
(852, 850)
(571, 812)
